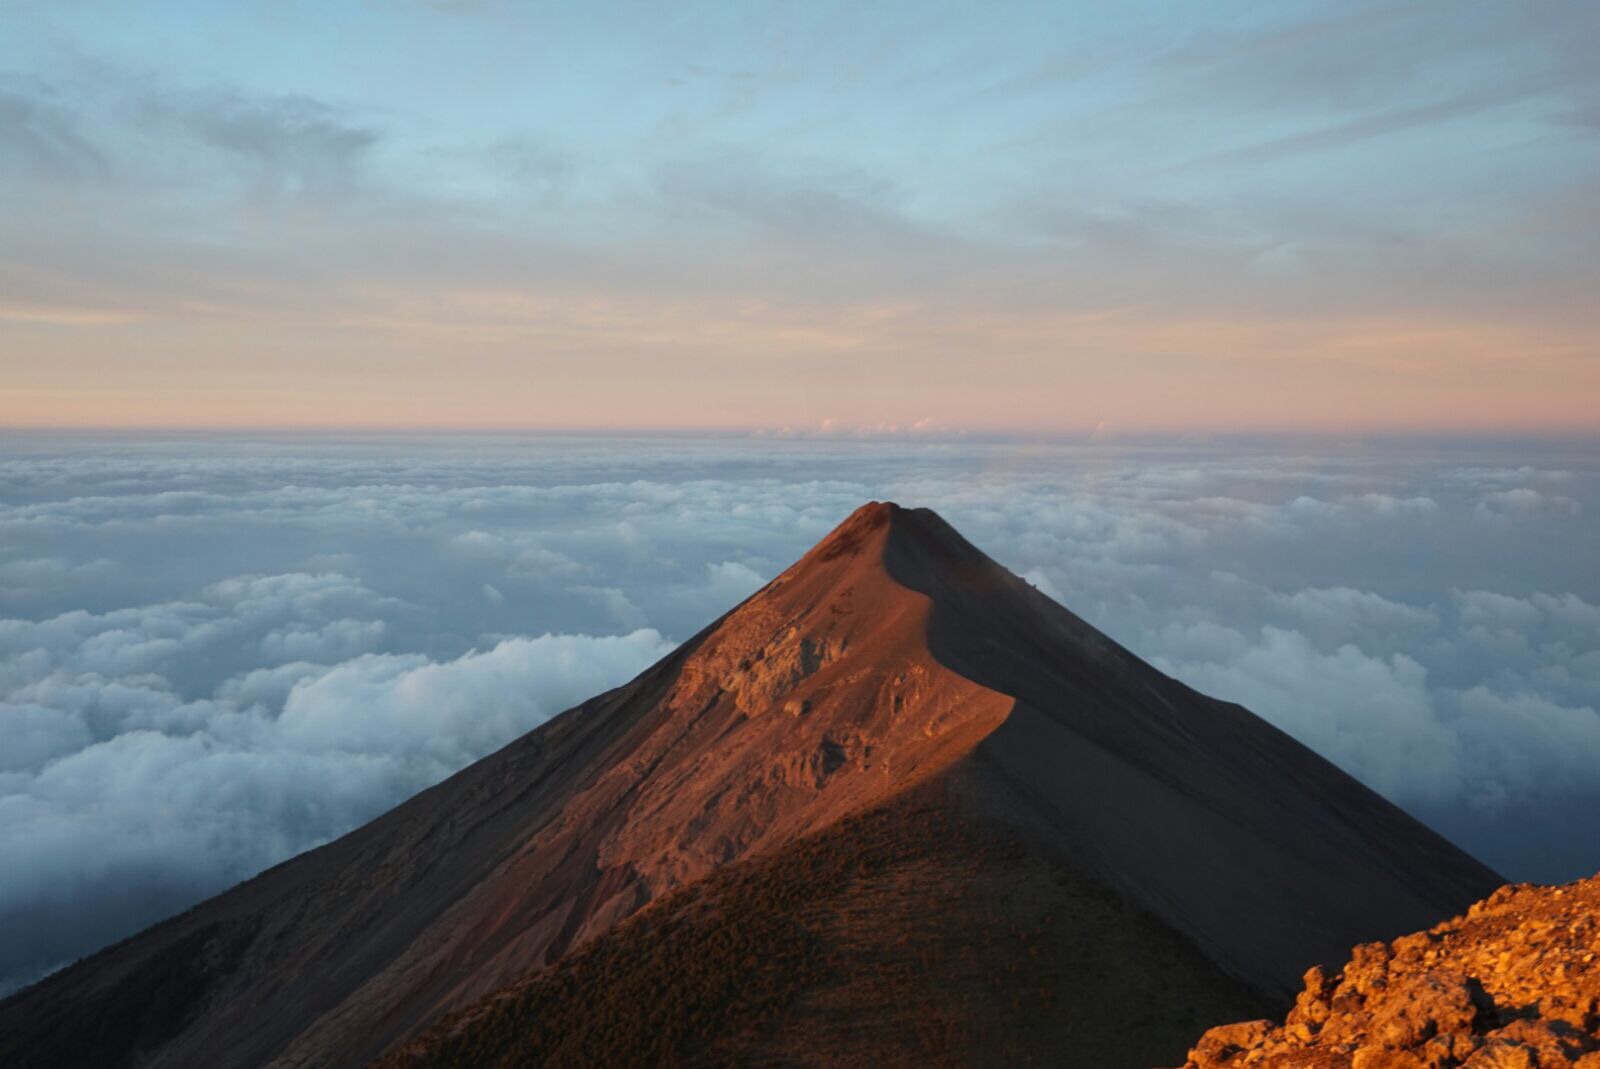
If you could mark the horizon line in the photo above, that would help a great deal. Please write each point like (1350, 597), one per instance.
(1082, 436)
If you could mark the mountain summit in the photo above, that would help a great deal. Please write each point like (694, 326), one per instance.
(898, 806)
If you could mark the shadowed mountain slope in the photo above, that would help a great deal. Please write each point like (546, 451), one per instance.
(895, 670)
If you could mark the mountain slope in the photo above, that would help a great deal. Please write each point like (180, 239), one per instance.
(912, 935)
(1248, 843)
(893, 659)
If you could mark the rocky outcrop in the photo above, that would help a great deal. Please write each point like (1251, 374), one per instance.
(1513, 984)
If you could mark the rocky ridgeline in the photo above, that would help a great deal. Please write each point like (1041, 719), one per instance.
(1514, 984)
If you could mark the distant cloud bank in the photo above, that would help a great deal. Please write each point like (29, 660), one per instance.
(216, 653)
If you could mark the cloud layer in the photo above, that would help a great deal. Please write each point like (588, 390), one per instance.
(217, 653)
(141, 773)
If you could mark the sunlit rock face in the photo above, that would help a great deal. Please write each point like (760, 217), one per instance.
(1512, 984)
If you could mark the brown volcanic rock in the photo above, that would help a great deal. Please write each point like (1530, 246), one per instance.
(894, 658)
(1513, 983)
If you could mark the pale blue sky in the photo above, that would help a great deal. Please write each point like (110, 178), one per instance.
(1390, 201)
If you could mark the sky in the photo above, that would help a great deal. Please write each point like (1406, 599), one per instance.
(1007, 217)
(219, 651)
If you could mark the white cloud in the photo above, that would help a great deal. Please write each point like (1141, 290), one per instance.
(333, 641)
(1371, 715)
(36, 734)
(184, 797)
(729, 582)
(515, 554)
(1557, 751)
(1042, 582)
(1485, 608)
(1521, 502)
(408, 706)
(267, 688)
(1347, 611)
(1571, 611)
(1391, 505)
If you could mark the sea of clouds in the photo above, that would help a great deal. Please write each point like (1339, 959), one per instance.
(218, 652)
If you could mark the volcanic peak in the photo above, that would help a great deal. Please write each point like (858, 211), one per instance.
(894, 675)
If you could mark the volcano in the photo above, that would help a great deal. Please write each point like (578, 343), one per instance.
(898, 807)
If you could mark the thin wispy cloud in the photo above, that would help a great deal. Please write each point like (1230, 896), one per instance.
(1301, 172)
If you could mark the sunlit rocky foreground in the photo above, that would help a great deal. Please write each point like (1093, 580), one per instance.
(1513, 984)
